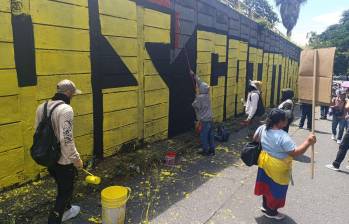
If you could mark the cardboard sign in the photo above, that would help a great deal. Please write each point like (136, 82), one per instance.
(324, 73)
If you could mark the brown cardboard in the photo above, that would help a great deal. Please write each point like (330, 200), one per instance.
(325, 62)
(324, 72)
(326, 59)
(323, 89)
(306, 66)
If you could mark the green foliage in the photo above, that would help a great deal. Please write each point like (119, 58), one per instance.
(263, 9)
(289, 11)
(335, 36)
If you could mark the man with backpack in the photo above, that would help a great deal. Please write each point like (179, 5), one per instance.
(254, 106)
(287, 106)
(58, 113)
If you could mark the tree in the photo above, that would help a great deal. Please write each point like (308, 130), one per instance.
(289, 11)
(336, 35)
(263, 9)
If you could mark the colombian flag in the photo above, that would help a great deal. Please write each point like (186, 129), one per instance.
(273, 178)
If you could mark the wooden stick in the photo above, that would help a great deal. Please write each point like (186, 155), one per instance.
(313, 113)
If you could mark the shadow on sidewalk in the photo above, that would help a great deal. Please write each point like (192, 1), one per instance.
(265, 220)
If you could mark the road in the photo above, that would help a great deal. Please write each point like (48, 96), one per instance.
(228, 197)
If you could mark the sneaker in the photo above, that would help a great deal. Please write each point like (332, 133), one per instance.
(347, 167)
(331, 167)
(278, 216)
(71, 213)
(339, 141)
(264, 210)
(333, 137)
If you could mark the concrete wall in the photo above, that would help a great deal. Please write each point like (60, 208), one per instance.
(131, 60)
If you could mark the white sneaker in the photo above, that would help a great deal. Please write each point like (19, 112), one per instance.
(339, 141)
(333, 137)
(331, 167)
(71, 213)
(279, 216)
(263, 209)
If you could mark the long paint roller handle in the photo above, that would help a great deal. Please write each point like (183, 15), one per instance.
(87, 172)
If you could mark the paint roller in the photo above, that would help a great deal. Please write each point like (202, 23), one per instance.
(92, 179)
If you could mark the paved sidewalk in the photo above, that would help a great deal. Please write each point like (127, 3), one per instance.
(228, 197)
(200, 190)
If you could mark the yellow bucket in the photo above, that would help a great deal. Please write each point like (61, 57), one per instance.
(114, 200)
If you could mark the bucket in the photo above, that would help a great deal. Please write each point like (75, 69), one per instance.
(170, 158)
(114, 200)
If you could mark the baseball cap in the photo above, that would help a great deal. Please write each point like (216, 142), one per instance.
(66, 85)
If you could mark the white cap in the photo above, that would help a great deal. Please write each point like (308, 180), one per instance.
(66, 85)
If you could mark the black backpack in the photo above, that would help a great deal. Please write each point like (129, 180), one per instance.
(260, 108)
(222, 134)
(46, 149)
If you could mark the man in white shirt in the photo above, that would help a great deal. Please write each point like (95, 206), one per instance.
(251, 105)
(64, 172)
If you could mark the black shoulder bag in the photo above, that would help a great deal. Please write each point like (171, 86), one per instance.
(250, 152)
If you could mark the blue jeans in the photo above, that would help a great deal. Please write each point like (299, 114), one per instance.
(324, 111)
(342, 152)
(207, 137)
(338, 122)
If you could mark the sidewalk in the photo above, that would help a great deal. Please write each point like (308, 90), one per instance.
(213, 190)
(228, 197)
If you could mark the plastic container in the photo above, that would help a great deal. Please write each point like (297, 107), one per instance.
(170, 158)
(114, 201)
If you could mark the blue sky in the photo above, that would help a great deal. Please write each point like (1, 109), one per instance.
(315, 15)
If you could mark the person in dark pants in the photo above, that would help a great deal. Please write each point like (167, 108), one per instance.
(65, 170)
(306, 114)
(64, 176)
(339, 114)
(342, 152)
(324, 112)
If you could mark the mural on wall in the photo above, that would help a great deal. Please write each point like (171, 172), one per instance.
(131, 58)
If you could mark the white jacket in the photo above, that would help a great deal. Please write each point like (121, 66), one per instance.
(252, 104)
(62, 123)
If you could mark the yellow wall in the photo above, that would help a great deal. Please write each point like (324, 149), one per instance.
(231, 81)
(208, 43)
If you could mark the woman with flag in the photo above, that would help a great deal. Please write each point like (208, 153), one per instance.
(275, 162)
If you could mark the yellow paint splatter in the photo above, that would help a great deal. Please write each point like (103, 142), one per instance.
(205, 174)
(95, 219)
